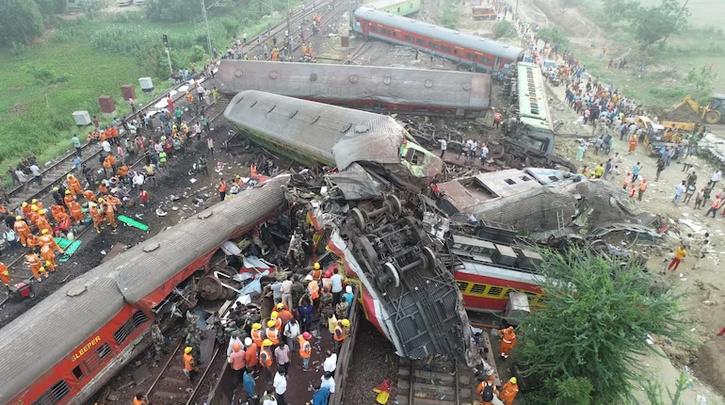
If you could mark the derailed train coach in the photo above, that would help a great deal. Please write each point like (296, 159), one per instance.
(318, 134)
(482, 54)
(92, 326)
(375, 88)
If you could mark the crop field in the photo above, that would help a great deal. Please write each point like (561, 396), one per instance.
(74, 64)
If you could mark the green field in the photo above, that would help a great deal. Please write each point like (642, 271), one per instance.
(662, 83)
(89, 58)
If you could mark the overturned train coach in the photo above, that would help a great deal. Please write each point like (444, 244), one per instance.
(413, 91)
(88, 329)
(322, 134)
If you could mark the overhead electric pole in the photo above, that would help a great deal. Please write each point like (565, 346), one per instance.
(208, 34)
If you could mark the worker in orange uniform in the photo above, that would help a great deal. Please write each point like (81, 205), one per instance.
(316, 272)
(46, 239)
(4, 274)
(56, 212)
(109, 211)
(109, 164)
(76, 213)
(508, 341)
(69, 198)
(272, 333)
(36, 266)
(277, 322)
(139, 399)
(62, 225)
(190, 368)
(486, 391)
(341, 332)
(305, 350)
(96, 216)
(48, 255)
(42, 221)
(250, 353)
(509, 391)
(265, 358)
(257, 334)
(89, 195)
(74, 186)
(32, 241)
(122, 171)
(22, 230)
(284, 314)
(33, 216)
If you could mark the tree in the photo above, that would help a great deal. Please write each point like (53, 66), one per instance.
(554, 36)
(652, 25)
(172, 10)
(502, 29)
(702, 80)
(20, 22)
(619, 10)
(595, 318)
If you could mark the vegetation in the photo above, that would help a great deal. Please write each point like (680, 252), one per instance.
(653, 390)
(597, 313)
(553, 35)
(84, 58)
(702, 80)
(20, 22)
(503, 29)
(650, 25)
(450, 15)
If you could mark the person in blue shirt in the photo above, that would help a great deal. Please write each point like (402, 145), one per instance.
(249, 386)
(321, 396)
(348, 296)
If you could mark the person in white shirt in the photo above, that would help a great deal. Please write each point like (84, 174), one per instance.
(106, 147)
(37, 175)
(280, 386)
(714, 179)
(268, 399)
(329, 382)
(336, 282)
(330, 363)
(291, 331)
(444, 146)
(232, 340)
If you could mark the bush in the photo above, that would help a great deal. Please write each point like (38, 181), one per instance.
(503, 29)
(172, 10)
(20, 22)
(197, 53)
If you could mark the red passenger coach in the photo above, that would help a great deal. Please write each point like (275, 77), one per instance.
(483, 54)
(69, 345)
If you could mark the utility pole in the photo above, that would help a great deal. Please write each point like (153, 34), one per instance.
(208, 35)
(165, 40)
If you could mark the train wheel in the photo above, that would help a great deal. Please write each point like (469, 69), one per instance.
(395, 204)
(430, 257)
(368, 250)
(359, 217)
(392, 272)
(712, 117)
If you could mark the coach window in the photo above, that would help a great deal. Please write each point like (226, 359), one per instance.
(78, 372)
(129, 326)
(54, 395)
(471, 56)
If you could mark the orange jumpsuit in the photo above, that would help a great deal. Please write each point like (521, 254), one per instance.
(110, 214)
(32, 217)
(257, 337)
(68, 199)
(47, 253)
(63, 223)
(508, 393)
(23, 230)
(273, 335)
(508, 340)
(42, 223)
(75, 212)
(32, 241)
(89, 195)
(97, 218)
(26, 209)
(74, 186)
(265, 358)
(4, 274)
(57, 212)
(36, 266)
(122, 171)
(48, 240)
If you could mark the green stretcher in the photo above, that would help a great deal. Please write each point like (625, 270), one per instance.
(69, 246)
(132, 222)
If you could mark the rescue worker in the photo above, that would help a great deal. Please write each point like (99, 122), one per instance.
(265, 357)
(341, 332)
(68, 198)
(33, 216)
(57, 211)
(316, 272)
(486, 391)
(285, 315)
(25, 207)
(305, 350)
(4, 274)
(271, 333)
(109, 165)
(277, 321)
(76, 212)
(22, 230)
(257, 334)
(96, 216)
(250, 353)
(57, 196)
(48, 254)
(36, 266)
(74, 186)
(42, 221)
(509, 391)
(89, 195)
(190, 368)
(109, 212)
(62, 224)
(507, 342)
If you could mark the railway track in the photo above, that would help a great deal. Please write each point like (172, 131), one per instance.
(171, 385)
(439, 382)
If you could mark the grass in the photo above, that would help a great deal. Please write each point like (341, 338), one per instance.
(36, 118)
(662, 84)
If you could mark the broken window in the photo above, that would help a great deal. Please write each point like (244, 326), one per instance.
(510, 181)
(57, 392)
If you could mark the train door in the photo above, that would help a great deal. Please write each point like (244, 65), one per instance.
(458, 52)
